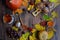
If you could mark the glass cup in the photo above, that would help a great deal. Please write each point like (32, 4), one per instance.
(8, 18)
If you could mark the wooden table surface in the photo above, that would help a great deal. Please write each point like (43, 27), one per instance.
(28, 20)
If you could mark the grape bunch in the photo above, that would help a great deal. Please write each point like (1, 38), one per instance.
(12, 33)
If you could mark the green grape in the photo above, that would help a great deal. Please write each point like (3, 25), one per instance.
(53, 0)
(46, 17)
(24, 36)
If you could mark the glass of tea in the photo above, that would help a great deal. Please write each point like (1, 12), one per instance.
(8, 19)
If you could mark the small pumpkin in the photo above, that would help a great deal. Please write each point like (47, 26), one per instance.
(13, 4)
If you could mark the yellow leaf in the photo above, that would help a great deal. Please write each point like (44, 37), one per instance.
(50, 34)
(39, 27)
(54, 14)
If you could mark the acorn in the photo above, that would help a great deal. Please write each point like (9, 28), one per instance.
(42, 5)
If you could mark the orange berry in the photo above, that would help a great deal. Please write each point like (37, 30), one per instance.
(50, 23)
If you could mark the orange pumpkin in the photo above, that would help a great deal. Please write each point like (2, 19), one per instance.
(13, 4)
